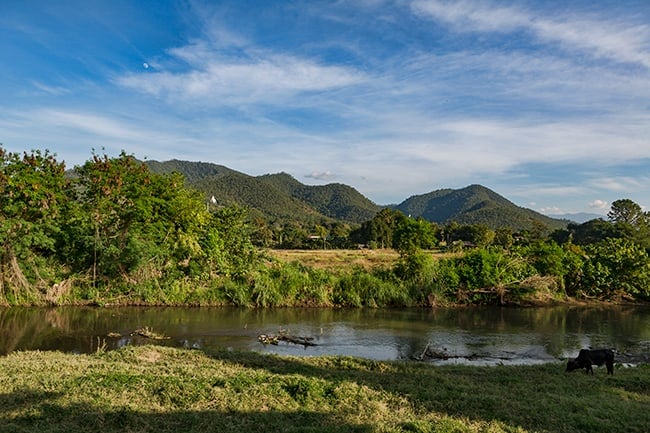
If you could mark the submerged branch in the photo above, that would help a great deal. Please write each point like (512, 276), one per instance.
(275, 339)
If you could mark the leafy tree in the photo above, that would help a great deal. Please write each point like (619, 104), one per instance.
(33, 191)
(339, 235)
(628, 212)
(547, 258)
(479, 235)
(262, 233)
(228, 242)
(592, 231)
(413, 234)
(617, 268)
(631, 222)
(380, 230)
(503, 237)
(293, 236)
(131, 217)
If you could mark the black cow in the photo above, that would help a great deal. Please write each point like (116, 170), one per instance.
(587, 357)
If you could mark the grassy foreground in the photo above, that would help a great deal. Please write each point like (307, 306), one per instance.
(159, 389)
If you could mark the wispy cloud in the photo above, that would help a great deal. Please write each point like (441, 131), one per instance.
(600, 36)
(321, 175)
(216, 79)
(51, 90)
(599, 205)
(542, 102)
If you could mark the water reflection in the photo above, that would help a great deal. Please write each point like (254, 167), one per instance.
(488, 335)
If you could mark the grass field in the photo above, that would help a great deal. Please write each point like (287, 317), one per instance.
(159, 389)
(333, 259)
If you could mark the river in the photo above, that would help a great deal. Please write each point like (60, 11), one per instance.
(485, 335)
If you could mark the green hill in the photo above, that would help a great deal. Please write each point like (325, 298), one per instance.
(193, 171)
(260, 196)
(335, 200)
(474, 204)
(281, 197)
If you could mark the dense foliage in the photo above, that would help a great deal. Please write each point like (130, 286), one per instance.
(113, 231)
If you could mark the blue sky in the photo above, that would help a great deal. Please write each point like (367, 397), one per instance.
(545, 102)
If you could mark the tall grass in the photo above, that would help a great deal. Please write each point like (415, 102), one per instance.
(414, 279)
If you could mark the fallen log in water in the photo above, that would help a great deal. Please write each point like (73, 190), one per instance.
(431, 353)
(275, 339)
(147, 332)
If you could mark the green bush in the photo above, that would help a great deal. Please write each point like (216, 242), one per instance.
(360, 288)
(616, 268)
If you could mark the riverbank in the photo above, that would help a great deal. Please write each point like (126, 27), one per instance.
(159, 389)
(328, 278)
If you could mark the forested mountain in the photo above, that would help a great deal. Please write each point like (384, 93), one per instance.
(252, 192)
(474, 204)
(275, 196)
(334, 200)
(281, 197)
(192, 171)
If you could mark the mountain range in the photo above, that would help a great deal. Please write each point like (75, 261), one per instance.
(280, 197)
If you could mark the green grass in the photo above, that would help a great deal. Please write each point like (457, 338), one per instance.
(161, 389)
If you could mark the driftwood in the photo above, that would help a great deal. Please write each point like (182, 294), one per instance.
(430, 353)
(147, 332)
(275, 339)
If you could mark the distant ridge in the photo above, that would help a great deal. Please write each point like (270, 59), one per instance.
(474, 204)
(334, 200)
(193, 171)
(580, 217)
(282, 197)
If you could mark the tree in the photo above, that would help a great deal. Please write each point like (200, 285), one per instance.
(628, 212)
(131, 217)
(380, 230)
(630, 221)
(617, 268)
(592, 231)
(476, 234)
(503, 237)
(33, 191)
(413, 234)
(228, 242)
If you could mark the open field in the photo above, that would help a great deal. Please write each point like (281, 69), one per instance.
(332, 259)
(335, 259)
(159, 389)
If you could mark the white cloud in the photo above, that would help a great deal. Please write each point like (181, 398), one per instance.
(51, 90)
(473, 16)
(216, 80)
(321, 175)
(622, 41)
(552, 210)
(73, 134)
(621, 184)
(599, 205)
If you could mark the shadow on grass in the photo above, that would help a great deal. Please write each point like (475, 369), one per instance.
(44, 415)
(534, 398)
(528, 397)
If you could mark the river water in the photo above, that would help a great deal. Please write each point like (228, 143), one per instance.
(486, 335)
